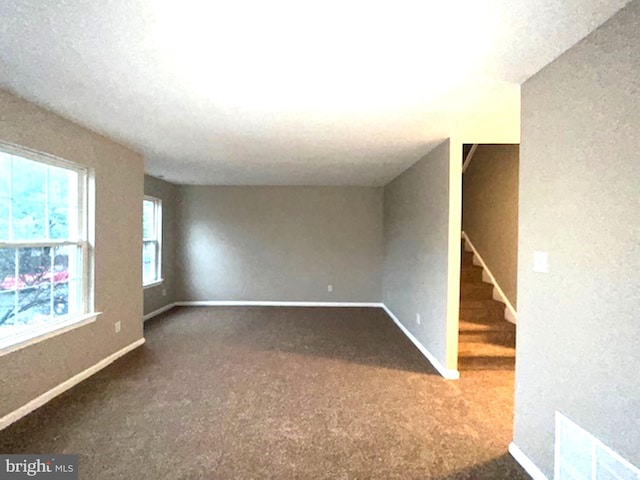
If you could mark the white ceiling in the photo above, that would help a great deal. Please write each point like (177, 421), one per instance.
(279, 92)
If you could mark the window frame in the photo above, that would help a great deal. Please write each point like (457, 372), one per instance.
(85, 241)
(157, 240)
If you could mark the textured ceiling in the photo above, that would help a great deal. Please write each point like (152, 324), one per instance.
(280, 92)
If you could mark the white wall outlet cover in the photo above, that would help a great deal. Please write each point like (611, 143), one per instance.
(118, 327)
(418, 319)
(329, 288)
(164, 292)
(540, 262)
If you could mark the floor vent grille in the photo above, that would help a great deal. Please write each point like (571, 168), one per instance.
(581, 456)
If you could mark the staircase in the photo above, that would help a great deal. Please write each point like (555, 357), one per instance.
(487, 340)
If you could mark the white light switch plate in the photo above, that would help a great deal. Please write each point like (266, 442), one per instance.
(540, 262)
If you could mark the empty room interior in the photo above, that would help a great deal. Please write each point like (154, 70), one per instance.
(323, 240)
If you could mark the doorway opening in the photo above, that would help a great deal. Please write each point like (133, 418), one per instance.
(488, 277)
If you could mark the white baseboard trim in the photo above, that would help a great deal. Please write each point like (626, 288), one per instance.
(158, 312)
(66, 385)
(445, 372)
(486, 278)
(510, 313)
(260, 303)
(526, 463)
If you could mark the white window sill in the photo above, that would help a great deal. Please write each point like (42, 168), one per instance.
(155, 283)
(40, 334)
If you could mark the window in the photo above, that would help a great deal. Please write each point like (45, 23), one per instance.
(45, 256)
(151, 241)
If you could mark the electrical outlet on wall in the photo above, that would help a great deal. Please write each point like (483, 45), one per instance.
(117, 326)
(329, 288)
(418, 318)
(164, 292)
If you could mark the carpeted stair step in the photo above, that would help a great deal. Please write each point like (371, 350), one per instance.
(476, 291)
(485, 349)
(467, 260)
(469, 326)
(471, 274)
(487, 303)
(473, 361)
(484, 314)
(505, 338)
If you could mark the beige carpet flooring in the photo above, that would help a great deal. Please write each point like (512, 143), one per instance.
(277, 393)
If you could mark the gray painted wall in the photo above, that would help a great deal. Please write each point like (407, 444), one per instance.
(169, 194)
(25, 374)
(416, 219)
(490, 211)
(281, 243)
(578, 345)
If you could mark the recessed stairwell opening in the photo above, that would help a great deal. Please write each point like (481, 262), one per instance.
(488, 278)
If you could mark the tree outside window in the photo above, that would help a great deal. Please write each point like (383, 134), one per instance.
(43, 243)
